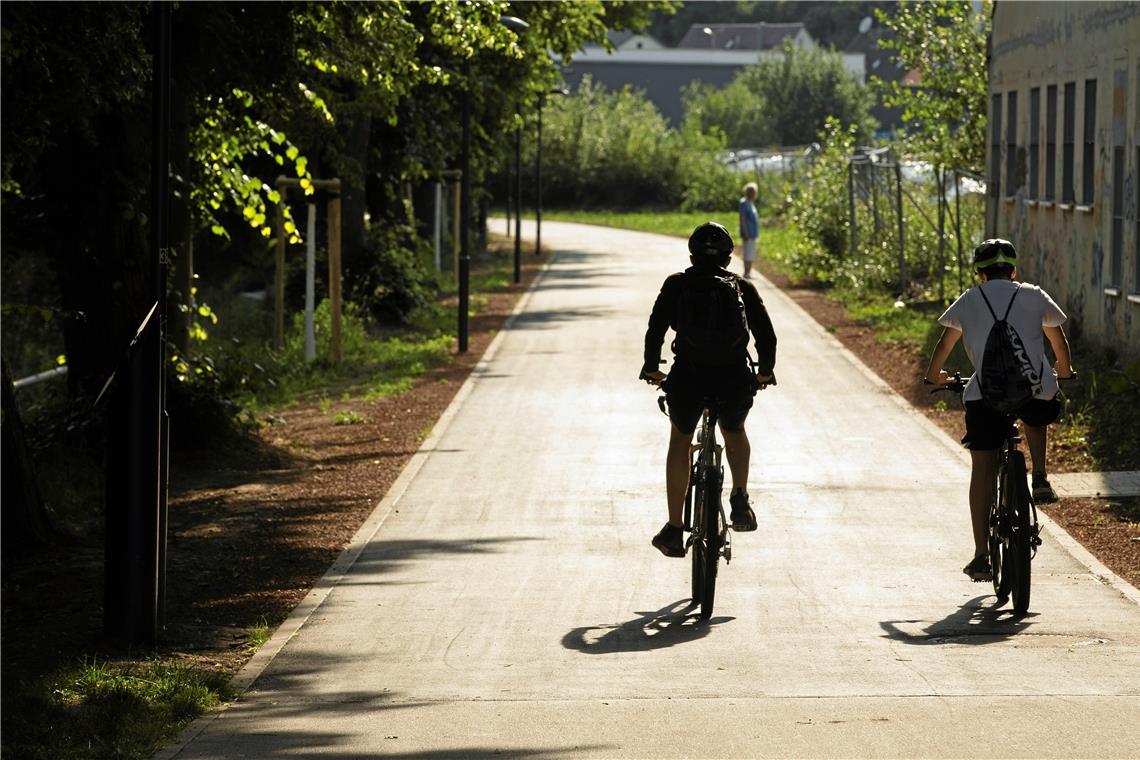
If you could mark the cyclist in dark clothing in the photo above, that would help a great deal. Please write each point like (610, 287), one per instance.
(708, 367)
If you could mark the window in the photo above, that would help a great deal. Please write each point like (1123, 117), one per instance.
(995, 146)
(1088, 156)
(1068, 192)
(1116, 270)
(1051, 142)
(1034, 141)
(1012, 181)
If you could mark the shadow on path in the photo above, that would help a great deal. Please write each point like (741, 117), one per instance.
(978, 621)
(677, 623)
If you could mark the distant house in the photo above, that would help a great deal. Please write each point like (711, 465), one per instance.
(662, 72)
(1064, 157)
(757, 36)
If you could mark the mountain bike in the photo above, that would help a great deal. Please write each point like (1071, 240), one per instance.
(1014, 533)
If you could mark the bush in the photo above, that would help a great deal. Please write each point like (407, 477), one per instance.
(398, 281)
(819, 209)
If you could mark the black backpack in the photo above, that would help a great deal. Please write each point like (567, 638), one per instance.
(1007, 378)
(712, 327)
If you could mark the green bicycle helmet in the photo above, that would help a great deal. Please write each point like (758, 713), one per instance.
(993, 252)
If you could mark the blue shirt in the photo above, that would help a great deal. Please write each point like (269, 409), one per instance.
(749, 219)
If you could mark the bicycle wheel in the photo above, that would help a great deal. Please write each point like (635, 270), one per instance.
(1020, 549)
(711, 526)
(698, 538)
(999, 537)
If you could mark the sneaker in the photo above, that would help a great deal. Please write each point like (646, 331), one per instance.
(979, 569)
(1043, 493)
(743, 518)
(671, 541)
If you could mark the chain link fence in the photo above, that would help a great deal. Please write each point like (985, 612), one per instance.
(912, 225)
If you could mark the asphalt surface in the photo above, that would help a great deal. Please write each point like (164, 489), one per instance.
(504, 600)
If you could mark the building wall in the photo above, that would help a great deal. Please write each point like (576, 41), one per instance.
(1077, 235)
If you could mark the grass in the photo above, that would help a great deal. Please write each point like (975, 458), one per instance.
(258, 635)
(99, 709)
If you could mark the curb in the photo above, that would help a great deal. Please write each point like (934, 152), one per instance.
(304, 610)
(1096, 568)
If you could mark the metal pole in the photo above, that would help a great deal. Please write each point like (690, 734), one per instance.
(902, 242)
(941, 233)
(465, 210)
(958, 222)
(279, 276)
(438, 223)
(518, 205)
(333, 222)
(538, 183)
(162, 228)
(851, 207)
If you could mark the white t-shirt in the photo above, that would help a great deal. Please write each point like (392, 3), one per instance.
(1032, 310)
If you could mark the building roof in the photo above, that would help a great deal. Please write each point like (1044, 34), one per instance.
(755, 36)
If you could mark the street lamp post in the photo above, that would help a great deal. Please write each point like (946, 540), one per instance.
(515, 25)
(518, 204)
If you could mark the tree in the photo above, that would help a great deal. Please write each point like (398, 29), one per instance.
(945, 41)
(784, 102)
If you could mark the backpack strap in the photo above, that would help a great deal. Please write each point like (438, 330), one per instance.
(1007, 308)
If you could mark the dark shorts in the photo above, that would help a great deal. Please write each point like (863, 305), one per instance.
(986, 428)
(690, 388)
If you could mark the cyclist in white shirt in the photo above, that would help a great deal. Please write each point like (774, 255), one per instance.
(1035, 317)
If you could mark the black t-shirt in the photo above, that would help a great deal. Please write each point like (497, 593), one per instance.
(664, 316)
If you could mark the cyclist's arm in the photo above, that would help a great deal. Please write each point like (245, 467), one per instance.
(934, 372)
(663, 310)
(1060, 344)
(760, 325)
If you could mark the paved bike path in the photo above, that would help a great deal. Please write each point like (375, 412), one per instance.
(509, 604)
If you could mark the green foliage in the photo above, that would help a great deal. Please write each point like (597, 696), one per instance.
(396, 281)
(945, 40)
(591, 158)
(98, 710)
(819, 210)
(783, 102)
(742, 115)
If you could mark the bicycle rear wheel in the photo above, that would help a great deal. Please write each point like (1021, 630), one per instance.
(697, 493)
(712, 527)
(1020, 548)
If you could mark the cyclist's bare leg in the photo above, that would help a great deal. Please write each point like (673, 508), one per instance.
(1036, 437)
(981, 497)
(677, 473)
(737, 450)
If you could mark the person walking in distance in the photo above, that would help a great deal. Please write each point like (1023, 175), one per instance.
(713, 312)
(1003, 388)
(749, 227)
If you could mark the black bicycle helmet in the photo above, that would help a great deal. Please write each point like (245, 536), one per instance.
(993, 252)
(710, 239)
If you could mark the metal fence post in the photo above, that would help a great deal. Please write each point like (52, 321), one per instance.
(902, 241)
(851, 207)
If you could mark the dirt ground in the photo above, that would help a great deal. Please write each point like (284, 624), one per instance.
(253, 527)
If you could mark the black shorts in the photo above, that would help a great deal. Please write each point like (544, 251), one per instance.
(689, 388)
(986, 428)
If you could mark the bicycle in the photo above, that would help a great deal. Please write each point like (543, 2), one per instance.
(1014, 533)
(710, 533)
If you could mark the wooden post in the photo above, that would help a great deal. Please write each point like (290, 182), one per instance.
(279, 289)
(334, 270)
